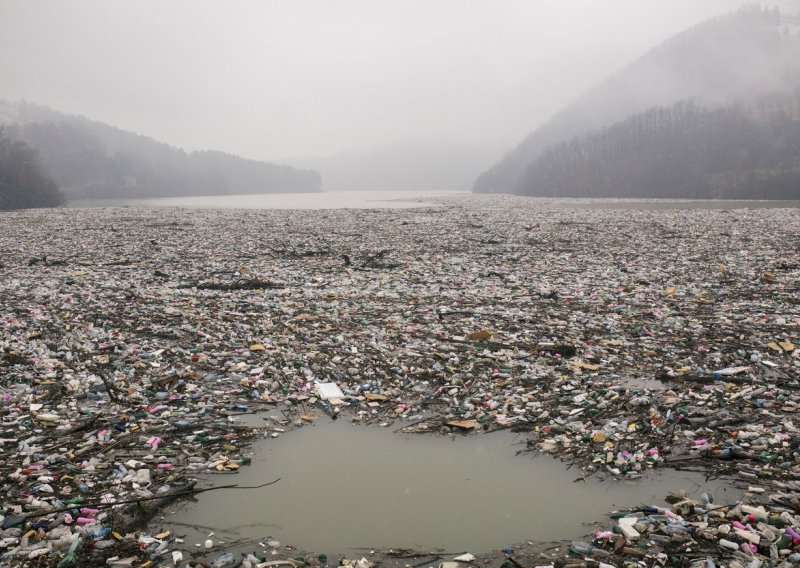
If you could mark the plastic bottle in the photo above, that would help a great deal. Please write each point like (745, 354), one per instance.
(223, 561)
(580, 548)
(70, 556)
(583, 548)
(100, 533)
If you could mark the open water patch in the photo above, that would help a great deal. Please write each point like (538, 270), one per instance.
(297, 201)
(344, 487)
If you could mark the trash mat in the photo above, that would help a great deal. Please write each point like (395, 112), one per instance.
(135, 344)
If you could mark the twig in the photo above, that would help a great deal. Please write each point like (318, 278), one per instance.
(515, 562)
(44, 513)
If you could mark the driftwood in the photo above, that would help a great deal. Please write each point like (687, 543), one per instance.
(514, 561)
(704, 379)
(370, 262)
(376, 261)
(13, 520)
(111, 389)
(33, 261)
(563, 350)
(249, 284)
(294, 252)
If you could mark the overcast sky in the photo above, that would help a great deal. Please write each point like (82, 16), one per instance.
(267, 79)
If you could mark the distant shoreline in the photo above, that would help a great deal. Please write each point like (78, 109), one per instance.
(402, 199)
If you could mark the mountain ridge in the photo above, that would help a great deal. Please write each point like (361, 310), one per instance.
(666, 74)
(90, 159)
(744, 151)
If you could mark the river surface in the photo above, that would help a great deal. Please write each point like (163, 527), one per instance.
(324, 200)
(410, 199)
(343, 487)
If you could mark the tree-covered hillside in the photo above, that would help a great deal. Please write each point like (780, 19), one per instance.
(92, 160)
(682, 151)
(23, 183)
(740, 56)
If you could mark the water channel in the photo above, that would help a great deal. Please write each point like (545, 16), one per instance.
(344, 487)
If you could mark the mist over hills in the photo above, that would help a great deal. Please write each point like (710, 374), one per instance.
(739, 57)
(409, 165)
(621, 138)
(681, 151)
(92, 160)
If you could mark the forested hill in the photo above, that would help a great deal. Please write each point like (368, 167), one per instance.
(682, 151)
(749, 53)
(93, 160)
(23, 183)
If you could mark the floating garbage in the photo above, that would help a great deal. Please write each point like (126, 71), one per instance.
(134, 343)
(327, 391)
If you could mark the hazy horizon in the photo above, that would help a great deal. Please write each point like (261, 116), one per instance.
(274, 81)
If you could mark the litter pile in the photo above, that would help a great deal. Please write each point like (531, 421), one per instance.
(133, 341)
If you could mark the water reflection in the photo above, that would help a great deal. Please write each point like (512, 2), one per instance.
(344, 487)
(331, 200)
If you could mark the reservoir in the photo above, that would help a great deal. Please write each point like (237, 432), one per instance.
(345, 487)
(414, 199)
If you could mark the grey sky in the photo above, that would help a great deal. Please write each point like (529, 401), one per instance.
(267, 79)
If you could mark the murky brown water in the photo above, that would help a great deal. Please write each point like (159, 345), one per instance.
(343, 487)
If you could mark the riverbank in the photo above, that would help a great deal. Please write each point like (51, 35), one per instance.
(617, 341)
